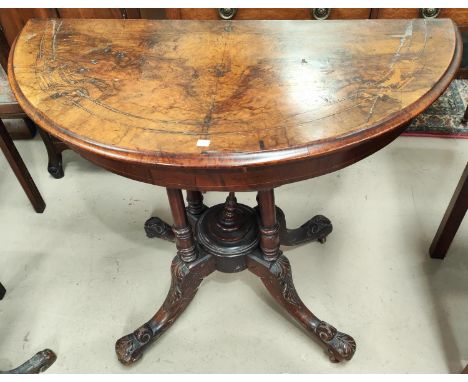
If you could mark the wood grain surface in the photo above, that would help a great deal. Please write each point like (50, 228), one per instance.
(229, 95)
(265, 13)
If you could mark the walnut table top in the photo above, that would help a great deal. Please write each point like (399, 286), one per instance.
(225, 97)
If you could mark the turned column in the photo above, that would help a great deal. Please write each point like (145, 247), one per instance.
(195, 204)
(269, 229)
(185, 242)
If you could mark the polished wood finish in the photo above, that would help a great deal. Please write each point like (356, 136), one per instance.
(269, 230)
(186, 278)
(98, 13)
(182, 230)
(315, 229)
(230, 106)
(458, 15)
(195, 206)
(20, 170)
(277, 278)
(227, 237)
(13, 20)
(452, 219)
(265, 13)
(264, 94)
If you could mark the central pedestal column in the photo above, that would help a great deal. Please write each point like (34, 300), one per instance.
(228, 231)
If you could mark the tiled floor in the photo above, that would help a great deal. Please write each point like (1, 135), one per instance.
(83, 273)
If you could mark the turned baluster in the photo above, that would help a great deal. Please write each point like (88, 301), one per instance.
(185, 242)
(269, 230)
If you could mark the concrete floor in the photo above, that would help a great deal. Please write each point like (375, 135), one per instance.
(83, 273)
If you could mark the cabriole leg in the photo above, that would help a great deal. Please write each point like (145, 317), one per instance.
(274, 270)
(277, 278)
(54, 166)
(188, 270)
(315, 229)
(186, 277)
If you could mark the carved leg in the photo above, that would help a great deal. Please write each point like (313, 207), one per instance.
(37, 364)
(315, 229)
(186, 277)
(54, 166)
(277, 278)
(156, 227)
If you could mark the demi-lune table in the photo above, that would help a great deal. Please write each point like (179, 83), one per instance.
(230, 106)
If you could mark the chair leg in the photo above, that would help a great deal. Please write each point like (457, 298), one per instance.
(452, 219)
(54, 166)
(20, 170)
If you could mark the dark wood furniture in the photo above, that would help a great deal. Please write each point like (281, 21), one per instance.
(452, 219)
(230, 106)
(9, 109)
(20, 170)
(458, 15)
(12, 21)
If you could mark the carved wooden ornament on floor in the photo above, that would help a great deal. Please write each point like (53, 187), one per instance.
(230, 106)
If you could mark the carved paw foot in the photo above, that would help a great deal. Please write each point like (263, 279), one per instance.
(340, 345)
(37, 364)
(130, 348)
(277, 278)
(155, 227)
(315, 229)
